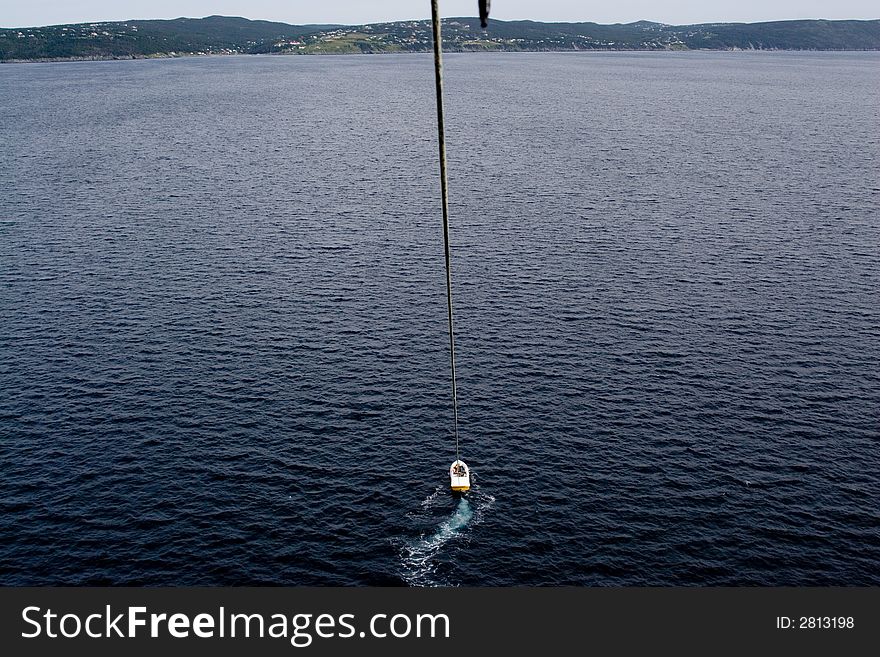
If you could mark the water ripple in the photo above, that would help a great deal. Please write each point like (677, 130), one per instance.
(222, 321)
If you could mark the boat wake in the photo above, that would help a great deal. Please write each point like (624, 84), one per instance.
(423, 559)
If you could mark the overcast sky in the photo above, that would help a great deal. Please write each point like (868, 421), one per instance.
(21, 13)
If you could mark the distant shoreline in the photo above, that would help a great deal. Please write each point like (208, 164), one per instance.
(224, 35)
(116, 58)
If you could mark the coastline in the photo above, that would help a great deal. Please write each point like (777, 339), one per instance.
(178, 55)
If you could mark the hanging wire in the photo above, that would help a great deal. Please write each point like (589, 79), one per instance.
(444, 191)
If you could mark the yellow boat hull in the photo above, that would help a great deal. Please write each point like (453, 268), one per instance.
(459, 477)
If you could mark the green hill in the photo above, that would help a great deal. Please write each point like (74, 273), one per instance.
(228, 35)
(211, 35)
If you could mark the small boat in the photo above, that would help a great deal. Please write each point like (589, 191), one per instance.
(459, 476)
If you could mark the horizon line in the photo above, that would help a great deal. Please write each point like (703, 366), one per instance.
(411, 20)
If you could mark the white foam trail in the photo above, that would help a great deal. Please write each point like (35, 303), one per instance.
(419, 559)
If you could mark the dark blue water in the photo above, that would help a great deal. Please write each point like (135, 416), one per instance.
(222, 321)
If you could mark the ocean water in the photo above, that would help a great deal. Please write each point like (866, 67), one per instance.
(223, 352)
